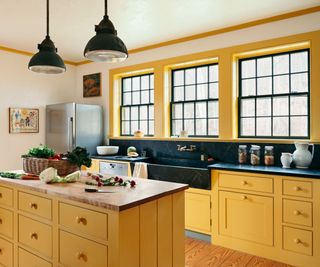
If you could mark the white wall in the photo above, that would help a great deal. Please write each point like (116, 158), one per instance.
(301, 24)
(20, 87)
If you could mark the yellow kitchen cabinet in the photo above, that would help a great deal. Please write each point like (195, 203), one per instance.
(246, 216)
(198, 210)
(272, 216)
(66, 227)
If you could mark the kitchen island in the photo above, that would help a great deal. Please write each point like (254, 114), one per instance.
(61, 225)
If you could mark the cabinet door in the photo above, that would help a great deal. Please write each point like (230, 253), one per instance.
(197, 212)
(245, 216)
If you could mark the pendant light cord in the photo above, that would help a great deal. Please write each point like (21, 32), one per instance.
(106, 7)
(47, 17)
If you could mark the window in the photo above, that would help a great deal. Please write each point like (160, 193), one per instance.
(274, 96)
(194, 101)
(137, 105)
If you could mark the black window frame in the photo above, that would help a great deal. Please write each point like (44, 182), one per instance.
(148, 105)
(207, 100)
(272, 96)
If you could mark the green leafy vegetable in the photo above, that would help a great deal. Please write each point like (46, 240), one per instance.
(41, 152)
(10, 175)
(79, 156)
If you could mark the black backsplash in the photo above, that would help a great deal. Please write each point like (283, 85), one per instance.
(220, 151)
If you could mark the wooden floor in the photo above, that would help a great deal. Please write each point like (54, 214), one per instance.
(202, 254)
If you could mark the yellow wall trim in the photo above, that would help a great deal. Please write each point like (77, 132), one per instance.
(221, 30)
(29, 54)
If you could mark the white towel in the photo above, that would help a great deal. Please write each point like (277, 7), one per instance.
(140, 170)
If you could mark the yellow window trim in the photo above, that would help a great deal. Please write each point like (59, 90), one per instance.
(228, 86)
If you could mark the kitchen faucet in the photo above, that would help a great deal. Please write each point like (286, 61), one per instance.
(184, 148)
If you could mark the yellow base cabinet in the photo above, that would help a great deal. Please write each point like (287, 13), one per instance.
(276, 217)
(42, 230)
(198, 210)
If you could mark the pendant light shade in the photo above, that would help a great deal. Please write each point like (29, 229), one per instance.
(106, 46)
(47, 60)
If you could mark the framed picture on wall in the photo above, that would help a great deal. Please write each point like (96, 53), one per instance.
(23, 120)
(92, 85)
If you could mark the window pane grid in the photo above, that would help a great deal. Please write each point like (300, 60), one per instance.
(137, 105)
(194, 101)
(288, 99)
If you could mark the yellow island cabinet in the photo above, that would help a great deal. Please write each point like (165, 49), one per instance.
(273, 216)
(48, 225)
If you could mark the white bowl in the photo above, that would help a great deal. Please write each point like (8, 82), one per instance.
(107, 150)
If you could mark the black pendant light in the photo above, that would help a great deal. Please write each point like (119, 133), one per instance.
(47, 60)
(106, 46)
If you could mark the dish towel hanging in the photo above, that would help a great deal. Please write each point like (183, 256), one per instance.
(140, 170)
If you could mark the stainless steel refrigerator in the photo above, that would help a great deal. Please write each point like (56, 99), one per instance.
(69, 125)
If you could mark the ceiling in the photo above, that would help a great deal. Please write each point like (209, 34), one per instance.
(138, 22)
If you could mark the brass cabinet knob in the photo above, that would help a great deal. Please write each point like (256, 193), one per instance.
(244, 182)
(33, 205)
(82, 220)
(297, 240)
(0, 250)
(0, 195)
(34, 236)
(244, 197)
(296, 212)
(82, 256)
(0, 221)
(297, 188)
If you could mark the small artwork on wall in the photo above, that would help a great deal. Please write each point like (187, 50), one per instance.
(23, 120)
(92, 85)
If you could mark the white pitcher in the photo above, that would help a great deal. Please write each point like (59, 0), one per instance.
(286, 159)
(302, 157)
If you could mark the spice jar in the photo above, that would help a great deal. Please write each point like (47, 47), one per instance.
(255, 155)
(242, 154)
(268, 156)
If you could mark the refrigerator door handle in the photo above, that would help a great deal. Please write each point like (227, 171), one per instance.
(70, 134)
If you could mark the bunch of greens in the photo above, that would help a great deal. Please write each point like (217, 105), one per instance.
(10, 175)
(79, 156)
(41, 151)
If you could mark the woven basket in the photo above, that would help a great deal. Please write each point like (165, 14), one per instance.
(37, 165)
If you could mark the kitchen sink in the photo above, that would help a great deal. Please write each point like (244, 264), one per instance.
(192, 173)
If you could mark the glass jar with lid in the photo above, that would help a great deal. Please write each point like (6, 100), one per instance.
(255, 155)
(242, 154)
(268, 156)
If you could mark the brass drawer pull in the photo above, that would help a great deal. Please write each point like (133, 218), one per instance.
(296, 212)
(0, 250)
(297, 241)
(33, 206)
(34, 236)
(81, 220)
(297, 188)
(0, 221)
(0, 195)
(244, 182)
(82, 256)
(244, 197)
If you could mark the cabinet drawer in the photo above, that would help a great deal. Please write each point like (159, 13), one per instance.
(6, 253)
(35, 235)
(297, 240)
(86, 221)
(297, 212)
(27, 259)
(6, 223)
(297, 188)
(6, 196)
(197, 212)
(81, 252)
(252, 183)
(36, 205)
(245, 216)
